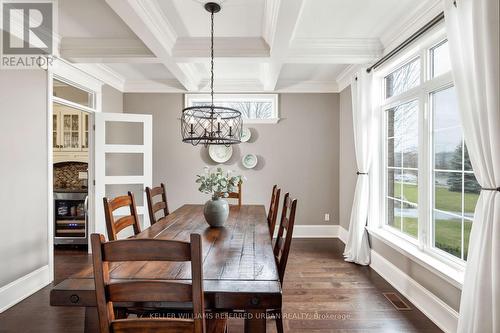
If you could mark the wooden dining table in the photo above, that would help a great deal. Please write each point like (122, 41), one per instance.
(239, 269)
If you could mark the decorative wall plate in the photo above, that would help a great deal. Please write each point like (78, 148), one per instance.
(249, 161)
(220, 153)
(246, 134)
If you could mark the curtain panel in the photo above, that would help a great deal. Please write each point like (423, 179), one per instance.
(357, 248)
(473, 34)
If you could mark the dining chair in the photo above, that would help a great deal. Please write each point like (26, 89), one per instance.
(272, 215)
(137, 291)
(114, 226)
(236, 195)
(282, 248)
(155, 207)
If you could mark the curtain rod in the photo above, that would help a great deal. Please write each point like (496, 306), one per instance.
(408, 41)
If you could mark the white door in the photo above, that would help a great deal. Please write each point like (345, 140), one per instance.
(123, 162)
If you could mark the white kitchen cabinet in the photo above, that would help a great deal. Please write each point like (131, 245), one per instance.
(70, 134)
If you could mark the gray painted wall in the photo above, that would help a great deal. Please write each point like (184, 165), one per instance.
(112, 99)
(24, 192)
(300, 153)
(432, 282)
(23, 172)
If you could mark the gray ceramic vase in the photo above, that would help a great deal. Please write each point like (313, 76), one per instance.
(216, 212)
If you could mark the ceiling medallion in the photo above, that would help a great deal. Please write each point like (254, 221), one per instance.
(211, 124)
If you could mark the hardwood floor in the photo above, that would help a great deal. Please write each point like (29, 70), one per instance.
(322, 293)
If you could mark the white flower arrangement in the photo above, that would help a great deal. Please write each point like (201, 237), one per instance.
(218, 183)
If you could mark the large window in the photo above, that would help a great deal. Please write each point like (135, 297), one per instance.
(455, 188)
(430, 190)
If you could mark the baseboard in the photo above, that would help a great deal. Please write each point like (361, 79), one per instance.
(434, 308)
(316, 231)
(343, 234)
(23, 287)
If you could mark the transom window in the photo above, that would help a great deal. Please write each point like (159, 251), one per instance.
(254, 108)
(430, 190)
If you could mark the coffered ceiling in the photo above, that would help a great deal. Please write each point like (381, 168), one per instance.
(261, 45)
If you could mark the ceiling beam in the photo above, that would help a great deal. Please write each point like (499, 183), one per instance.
(334, 50)
(106, 50)
(280, 21)
(145, 19)
(227, 48)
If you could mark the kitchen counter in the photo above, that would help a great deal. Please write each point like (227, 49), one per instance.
(71, 190)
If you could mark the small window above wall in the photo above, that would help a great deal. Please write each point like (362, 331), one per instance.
(254, 108)
(71, 93)
(440, 59)
(403, 79)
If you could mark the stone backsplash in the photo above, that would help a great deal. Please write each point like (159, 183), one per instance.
(66, 175)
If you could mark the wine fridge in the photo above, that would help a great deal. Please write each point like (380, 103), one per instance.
(70, 218)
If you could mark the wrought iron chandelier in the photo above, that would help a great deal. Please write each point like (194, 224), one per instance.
(211, 124)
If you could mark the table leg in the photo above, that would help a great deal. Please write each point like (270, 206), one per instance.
(255, 321)
(91, 320)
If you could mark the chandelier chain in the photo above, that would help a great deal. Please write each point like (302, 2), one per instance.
(212, 58)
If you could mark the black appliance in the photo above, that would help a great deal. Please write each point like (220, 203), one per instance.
(70, 218)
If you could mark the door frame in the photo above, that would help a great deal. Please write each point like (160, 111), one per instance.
(63, 71)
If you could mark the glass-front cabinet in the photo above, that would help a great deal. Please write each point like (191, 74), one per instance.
(69, 129)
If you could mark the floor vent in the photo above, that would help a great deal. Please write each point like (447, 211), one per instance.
(398, 303)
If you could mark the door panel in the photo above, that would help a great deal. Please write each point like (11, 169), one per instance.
(122, 167)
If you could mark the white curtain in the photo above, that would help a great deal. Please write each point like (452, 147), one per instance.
(357, 248)
(473, 33)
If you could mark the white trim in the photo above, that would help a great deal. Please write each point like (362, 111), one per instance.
(75, 74)
(104, 74)
(271, 11)
(194, 49)
(343, 234)
(25, 286)
(433, 307)
(344, 79)
(334, 50)
(316, 231)
(422, 14)
(101, 180)
(153, 86)
(452, 274)
(279, 26)
(50, 177)
(106, 50)
(147, 20)
(307, 86)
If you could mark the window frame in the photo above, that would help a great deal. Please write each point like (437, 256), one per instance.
(421, 248)
(273, 98)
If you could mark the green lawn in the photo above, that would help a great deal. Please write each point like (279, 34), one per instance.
(445, 200)
(448, 234)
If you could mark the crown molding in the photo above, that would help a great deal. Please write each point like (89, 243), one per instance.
(106, 50)
(271, 10)
(405, 27)
(230, 86)
(153, 86)
(334, 50)
(311, 86)
(104, 74)
(344, 79)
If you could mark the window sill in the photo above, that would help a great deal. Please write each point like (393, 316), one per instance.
(450, 273)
